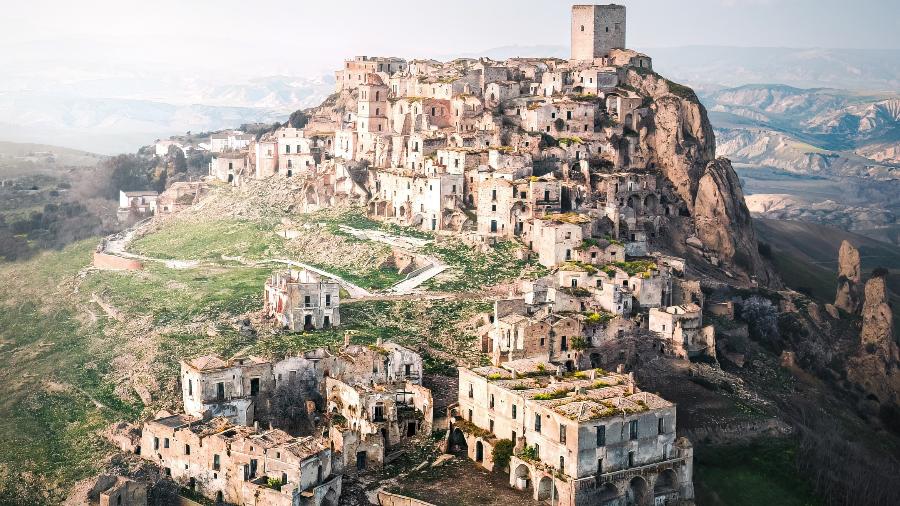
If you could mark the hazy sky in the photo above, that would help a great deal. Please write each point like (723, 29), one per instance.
(301, 36)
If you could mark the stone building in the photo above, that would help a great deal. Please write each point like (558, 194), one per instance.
(301, 299)
(230, 166)
(242, 465)
(683, 327)
(597, 30)
(581, 438)
(213, 387)
(123, 492)
(139, 204)
(354, 72)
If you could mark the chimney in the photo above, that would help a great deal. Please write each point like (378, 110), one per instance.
(630, 383)
(346, 338)
(256, 425)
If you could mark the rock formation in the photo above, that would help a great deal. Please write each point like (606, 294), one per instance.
(875, 367)
(847, 297)
(678, 138)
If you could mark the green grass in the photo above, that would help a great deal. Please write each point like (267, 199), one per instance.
(471, 269)
(757, 474)
(356, 218)
(172, 296)
(188, 240)
(54, 364)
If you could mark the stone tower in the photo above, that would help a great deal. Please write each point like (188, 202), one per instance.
(596, 29)
(372, 106)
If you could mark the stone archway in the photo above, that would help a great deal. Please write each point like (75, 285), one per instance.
(609, 495)
(636, 494)
(547, 491)
(458, 442)
(523, 477)
(666, 483)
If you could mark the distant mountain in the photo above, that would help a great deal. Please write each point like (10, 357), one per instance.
(112, 125)
(708, 67)
(808, 131)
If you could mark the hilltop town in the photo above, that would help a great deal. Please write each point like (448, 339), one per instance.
(568, 217)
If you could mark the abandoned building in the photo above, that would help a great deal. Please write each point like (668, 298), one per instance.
(242, 465)
(302, 300)
(682, 326)
(580, 438)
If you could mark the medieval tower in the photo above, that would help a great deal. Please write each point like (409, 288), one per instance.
(596, 29)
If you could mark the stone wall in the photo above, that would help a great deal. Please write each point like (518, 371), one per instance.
(389, 499)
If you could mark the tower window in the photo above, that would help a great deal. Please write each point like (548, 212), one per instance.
(582, 28)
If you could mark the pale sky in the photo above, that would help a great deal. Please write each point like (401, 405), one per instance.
(303, 37)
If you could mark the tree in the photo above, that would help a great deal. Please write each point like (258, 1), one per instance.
(126, 172)
(177, 159)
(503, 450)
(298, 119)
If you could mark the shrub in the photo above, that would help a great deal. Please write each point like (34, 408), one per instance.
(528, 453)
(503, 450)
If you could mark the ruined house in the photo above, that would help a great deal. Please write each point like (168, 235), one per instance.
(580, 438)
(302, 300)
(683, 327)
(242, 465)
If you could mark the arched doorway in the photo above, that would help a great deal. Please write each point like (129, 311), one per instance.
(479, 451)
(458, 442)
(609, 495)
(547, 490)
(596, 360)
(637, 491)
(523, 477)
(666, 484)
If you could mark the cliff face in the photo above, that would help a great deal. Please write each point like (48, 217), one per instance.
(678, 138)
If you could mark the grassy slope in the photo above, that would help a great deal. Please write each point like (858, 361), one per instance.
(756, 474)
(67, 364)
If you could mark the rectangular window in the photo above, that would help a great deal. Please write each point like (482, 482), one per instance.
(514, 411)
(633, 430)
(537, 422)
(660, 426)
(190, 387)
(491, 425)
(327, 300)
(156, 443)
(601, 435)
(492, 401)
(187, 449)
(254, 386)
(165, 442)
(562, 462)
(307, 301)
(217, 463)
(630, 459)
(562, 434)
(471, 391)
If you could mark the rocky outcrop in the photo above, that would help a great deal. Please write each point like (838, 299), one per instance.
(847, 296)
(724, 224)
(875, 367)
(877, 329)
(677, 135)
(678, 138)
